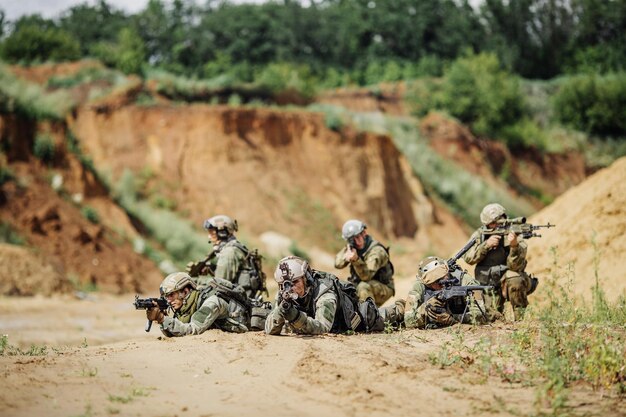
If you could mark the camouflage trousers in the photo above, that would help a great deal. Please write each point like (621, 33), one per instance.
(514, 287)
(375, 289)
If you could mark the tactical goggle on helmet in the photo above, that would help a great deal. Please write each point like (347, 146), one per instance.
(175, 282)
(224, 225)
(290, 269)
(432, 269)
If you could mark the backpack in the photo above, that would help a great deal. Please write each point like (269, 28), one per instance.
(251, 276)
(354, 315)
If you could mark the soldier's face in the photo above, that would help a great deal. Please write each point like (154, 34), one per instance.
(299, 287)
(213, 236)
(176, 298)
(359, 240)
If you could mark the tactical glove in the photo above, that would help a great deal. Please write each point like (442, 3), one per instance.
(289, 311)
(437, 312)
(155, 314)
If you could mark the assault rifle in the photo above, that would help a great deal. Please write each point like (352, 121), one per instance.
(148, 303)
(202, 267)
(287, 295)
(452, 265)
(517, 225)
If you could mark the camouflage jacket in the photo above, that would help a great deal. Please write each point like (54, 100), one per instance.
(415, 309)
(317, 309)
(492, 264)
(230, 260)
(372, 263)
(205, 309)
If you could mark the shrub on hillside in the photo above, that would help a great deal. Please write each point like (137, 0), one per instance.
(593, 103)
(477, 92)
(32, 43)
(29, 100)
(44, 148)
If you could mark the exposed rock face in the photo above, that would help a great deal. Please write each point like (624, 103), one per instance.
(68, 245)
(272, 170)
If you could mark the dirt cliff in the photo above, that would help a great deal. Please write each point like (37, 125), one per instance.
(276, 170)
(52, 220)
(590, 235)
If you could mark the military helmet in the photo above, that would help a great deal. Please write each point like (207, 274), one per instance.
(176, 282)
(432, 269)
(352, 228)
(491, 213)
(224, 225)
(291, 268)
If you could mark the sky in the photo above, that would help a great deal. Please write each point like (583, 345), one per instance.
(52, 8)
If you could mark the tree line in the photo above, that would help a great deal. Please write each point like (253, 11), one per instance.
(344, 41)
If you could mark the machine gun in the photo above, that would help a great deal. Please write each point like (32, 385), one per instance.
(454, 296)
(148, 303)
(517, 225)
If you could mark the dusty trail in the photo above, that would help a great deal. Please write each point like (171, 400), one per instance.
(232, 375)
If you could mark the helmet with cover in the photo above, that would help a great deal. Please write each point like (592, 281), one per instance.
(176, 282)
(432, 269)
(222, 224)
(491, 213)
(290, 269)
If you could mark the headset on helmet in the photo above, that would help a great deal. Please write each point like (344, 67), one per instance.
(176, 282)
(223, 225)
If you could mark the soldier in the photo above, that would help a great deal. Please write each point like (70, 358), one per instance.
(434, 312)
(319, 304)
(500, 261)
(195, 311)
(230, 259)
(370, 268)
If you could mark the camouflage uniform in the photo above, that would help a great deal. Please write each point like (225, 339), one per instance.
(415, 315)
(367, 272)
(205, 309)
(503, 267)
(317, 310)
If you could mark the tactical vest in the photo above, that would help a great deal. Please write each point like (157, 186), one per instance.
(493, 266)
(350, 314)
(238, 304)
(384, 275)
(250, 274)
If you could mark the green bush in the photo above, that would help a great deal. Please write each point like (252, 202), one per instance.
(593, 103)
(9, 235)
(127, 54)
(90, 214)
(478, 92)
(6, 174)
(284, 76)
(31, 43)
(29, 100)
(44, 148)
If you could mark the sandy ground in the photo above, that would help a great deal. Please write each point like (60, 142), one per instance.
(100, 362)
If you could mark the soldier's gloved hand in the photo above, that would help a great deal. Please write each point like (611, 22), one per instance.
(155, 314)
(437, 312)
(289, 311)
